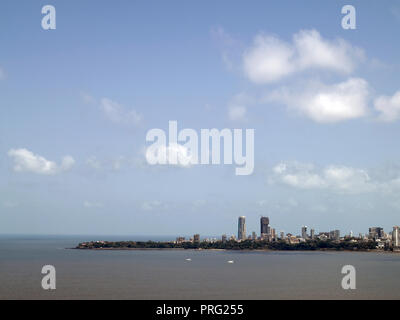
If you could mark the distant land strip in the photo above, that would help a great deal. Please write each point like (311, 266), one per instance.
(308, 245)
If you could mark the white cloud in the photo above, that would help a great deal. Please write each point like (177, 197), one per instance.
(115, 163)
(298, 175)
(118, 114)
(237, 113)
(303, 180)
(26, 161)
(389, 107)
(173, 154)
(118, 163)
(340, 179)
(328, 103)
(151, 205)
(114, 111)
(348, 179)
(94, 163)
(315, 52)
(67, 163)
(270, 59)
(88, 204)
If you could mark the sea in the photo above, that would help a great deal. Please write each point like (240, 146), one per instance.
(188, 274)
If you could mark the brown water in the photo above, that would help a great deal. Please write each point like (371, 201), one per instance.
(165, 274)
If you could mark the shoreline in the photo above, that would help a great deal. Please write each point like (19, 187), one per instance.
(238, 250)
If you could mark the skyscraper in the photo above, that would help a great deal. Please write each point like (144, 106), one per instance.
(273, 234)
(304, 232)
(334, 235)
(264, 224)
(196, 238)
(375, 233)
(312, 234)
(396, 236)
(242, 228)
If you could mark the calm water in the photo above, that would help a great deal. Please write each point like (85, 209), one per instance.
(167, 275)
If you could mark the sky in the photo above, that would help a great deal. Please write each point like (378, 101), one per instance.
(76, 103)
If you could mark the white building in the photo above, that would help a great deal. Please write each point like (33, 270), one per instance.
(396, 236)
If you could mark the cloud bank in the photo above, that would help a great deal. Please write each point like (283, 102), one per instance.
(27, 161)
(118, 114)
(327, 103)
(389, 107)
(339, 179)
(271, 59)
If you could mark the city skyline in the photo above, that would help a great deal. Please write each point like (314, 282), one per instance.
(306, 233)
(376, 238)
(271, 234)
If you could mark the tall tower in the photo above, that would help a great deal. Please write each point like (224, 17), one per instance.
(242, 228)
(304, 232)
(312, 234)
(264, 224)
(396, 236)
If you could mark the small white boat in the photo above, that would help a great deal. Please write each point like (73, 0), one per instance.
(230, 261)
(188, 259)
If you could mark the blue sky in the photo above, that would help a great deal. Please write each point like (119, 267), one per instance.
(76, 103)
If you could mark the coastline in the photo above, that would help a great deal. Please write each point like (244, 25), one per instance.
(239, 250)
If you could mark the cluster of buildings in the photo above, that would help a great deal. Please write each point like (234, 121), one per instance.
(194, 239)
(391, 239)
(267, 233)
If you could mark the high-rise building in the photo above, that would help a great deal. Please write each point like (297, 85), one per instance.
(375, 233)
(273, 234)
(334, 235)
(304, 234)
(254, 236)
(242, 228)
(264, 224)
(180, 239)
(224, 238)
(282, 235)
(396, 236)
(196, 238)
(312, 234)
